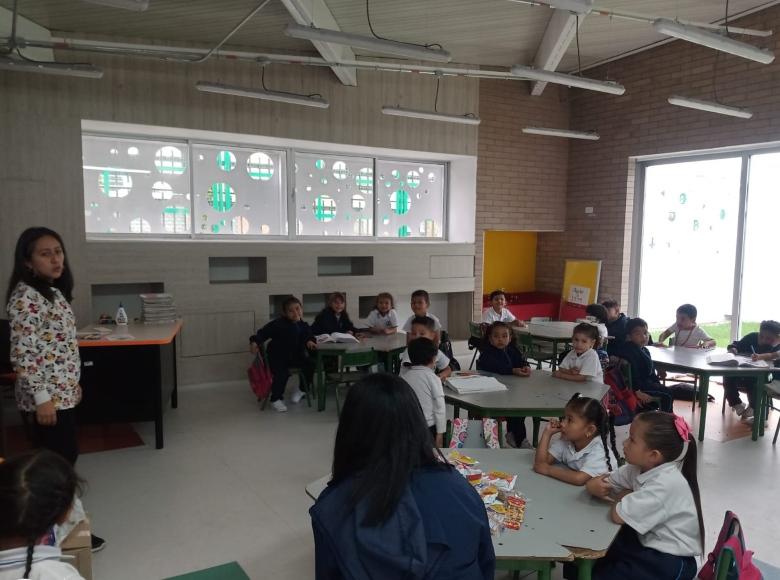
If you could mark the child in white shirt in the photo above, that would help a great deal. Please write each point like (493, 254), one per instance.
(582, 362)
(498, 311)
(423, 327)
(656, 496)
(36, 492)
(420, 303)
(685, 330)
(383, 318)
(581, 446)
(426, 385)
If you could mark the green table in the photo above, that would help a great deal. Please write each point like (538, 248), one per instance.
(389, 348)
(554, 332)
(693, 360)
(563, 523)
(540, 395)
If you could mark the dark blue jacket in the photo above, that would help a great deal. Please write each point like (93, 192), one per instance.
(500, 362)
(617, 330)
(439, 531)
(288, 339)
(327, 323)
(748, 344)
(643, 373)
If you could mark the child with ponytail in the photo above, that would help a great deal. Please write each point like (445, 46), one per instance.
(656, 496)
(580, 451)
(36, 492)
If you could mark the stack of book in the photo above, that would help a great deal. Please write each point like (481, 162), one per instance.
(469, 384)
(157, 308)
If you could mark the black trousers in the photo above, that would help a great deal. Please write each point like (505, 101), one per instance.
(516, 426)
(732, 386)
(280, 369)
(60, 438)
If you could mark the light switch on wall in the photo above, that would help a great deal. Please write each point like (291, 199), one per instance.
(589, 210)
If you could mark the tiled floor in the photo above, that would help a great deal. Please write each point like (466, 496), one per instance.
(229, 485)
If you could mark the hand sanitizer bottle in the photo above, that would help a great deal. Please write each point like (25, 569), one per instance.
(121, 321)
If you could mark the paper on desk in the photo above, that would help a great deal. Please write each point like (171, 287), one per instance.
(474, 384)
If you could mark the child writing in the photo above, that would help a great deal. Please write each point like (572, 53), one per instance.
(334, 317)
(498, 311)
(761, 345)
(582, 362)
(424, 327)
(656, 496)
(36, 492)
(383, 318)
(426, 385)
(420, 303)
(290, 338)
(685, 330)
(501, 357)
(580, 450)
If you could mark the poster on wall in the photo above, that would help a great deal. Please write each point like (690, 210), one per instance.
(580, 287)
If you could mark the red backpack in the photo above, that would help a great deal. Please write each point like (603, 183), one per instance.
(260, 378)
(620, 400)
(729, 559)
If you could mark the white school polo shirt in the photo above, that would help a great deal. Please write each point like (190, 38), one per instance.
(689, 338)
(46, 565)
(588, 363)
(377, 320)
(660, 508)
(490, 316)
(430, 392)
(590, 459)
(407, 327)
(442, 361)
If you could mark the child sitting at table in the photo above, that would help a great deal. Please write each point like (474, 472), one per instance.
(501, 356)
(498, 311)
(424, 327)
(426, 385)
(420, 303)
(644, 380)
(582, 362)
(616, 323)
(290, 339)
(580, 450)
(334, 317)
(657, 499)
(685, 330)
(761, 345)
(383, 318)
(36, 492)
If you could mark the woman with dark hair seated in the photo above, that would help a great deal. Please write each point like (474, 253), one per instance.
(393, 508)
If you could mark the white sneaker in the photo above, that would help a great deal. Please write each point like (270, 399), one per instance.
(279, 406)
(739, 409)
(297, 396)
(747, 415)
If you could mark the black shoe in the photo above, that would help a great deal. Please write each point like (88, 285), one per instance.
(98, 543)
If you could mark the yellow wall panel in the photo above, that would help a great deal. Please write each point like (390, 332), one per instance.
(509, 261)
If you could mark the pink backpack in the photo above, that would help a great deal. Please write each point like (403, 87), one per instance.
(729, 560)
(260, 378)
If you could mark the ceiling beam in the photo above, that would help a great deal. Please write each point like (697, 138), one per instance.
(560, 33)
(316, 12)
(29, 30)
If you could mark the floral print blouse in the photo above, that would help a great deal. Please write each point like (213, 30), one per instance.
(44, 349)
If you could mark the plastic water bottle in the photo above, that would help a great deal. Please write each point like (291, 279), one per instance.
(121, 321)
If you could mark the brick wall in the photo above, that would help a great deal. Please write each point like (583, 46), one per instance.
(521, 179)
(601, 174)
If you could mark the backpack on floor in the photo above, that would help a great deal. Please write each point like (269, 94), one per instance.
(730, 553)
(260, 378)
(620, 400)
(445, 345)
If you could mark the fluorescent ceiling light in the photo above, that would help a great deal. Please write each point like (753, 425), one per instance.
(393, 47)
(86, 71)
(588, 135)
(280, 97)
(713, 40)
(578, 6)
(710, 107)
(431, 116)
(136, 5)
(557, 78)
(114, 169)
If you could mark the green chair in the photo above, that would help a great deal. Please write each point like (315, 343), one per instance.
(476, 335)
(532, 350)
(771, 392)
(294, 372)
(359, 360)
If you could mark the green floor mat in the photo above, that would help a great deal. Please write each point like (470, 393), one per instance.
(231, 571)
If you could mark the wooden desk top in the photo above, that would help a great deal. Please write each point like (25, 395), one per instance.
(142, 334)
(693, 360)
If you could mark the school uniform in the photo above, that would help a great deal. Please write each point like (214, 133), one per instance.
(489, 316)
(287, 348)
(747, 345)
(661, 537)
(591, 459)
(46, 565)
(430, 392)
(687, 338)
(442, 362)
(501, 362)
(588, 363)
(407, 327)
(617, 330)
(378, 320)
(643, 375)
(328, 322)
(438, 531)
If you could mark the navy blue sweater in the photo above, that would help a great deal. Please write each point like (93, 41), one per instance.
(748, 344)
(643, 373)
(288, 339)
(500, 362)
(327, 323)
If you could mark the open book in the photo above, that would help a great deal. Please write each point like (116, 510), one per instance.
(732, 360)
(336, 337)
(466, 385)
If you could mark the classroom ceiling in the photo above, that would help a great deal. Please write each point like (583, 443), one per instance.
(479, 32)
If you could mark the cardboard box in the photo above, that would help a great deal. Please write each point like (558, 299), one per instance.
(77, 549)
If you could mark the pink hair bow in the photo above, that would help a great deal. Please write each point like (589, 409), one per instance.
(683, 429)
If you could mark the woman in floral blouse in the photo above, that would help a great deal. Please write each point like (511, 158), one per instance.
(44, 349)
